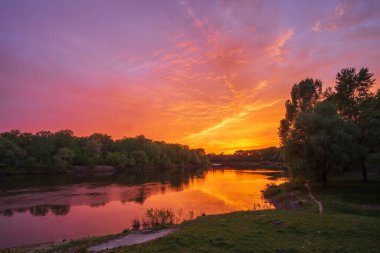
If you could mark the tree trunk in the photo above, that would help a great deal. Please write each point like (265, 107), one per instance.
(324, 180)
(364, 171)
(364, 168)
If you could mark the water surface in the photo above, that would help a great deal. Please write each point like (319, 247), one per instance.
(38, 209)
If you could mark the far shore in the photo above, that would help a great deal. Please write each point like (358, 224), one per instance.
(249, 165)
(108, 169)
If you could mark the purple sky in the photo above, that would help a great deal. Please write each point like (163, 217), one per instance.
(211, 74)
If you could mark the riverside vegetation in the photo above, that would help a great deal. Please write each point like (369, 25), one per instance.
(47, 152)
(325, 133)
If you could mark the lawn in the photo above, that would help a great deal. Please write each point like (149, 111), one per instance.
(271, 231)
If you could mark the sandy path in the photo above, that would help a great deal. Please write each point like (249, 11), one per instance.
(320, 206)
(133, 238)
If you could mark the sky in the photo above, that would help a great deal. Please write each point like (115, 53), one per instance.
(208, 74)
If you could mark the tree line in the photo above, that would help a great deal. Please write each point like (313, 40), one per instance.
(271, 154)
(326, 132)
(45, 152)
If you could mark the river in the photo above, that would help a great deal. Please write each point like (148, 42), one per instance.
(45, 208)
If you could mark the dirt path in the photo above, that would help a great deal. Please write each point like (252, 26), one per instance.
(320, 206)
(133, 238)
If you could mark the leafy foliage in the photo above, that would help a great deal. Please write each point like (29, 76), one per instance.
(324, 133)
(158, 217)
(353, 98)
(304, 96)
(370, 122)
(57, 152)
(316, 147)
(352, 90)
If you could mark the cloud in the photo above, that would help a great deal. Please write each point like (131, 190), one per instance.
(346, 14)
(317, 27)
(332, 19)
(233, 119)
(339, 10)
(276, 49)
(326, 26)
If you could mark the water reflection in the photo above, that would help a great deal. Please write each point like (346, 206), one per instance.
(45, 208)
(55, 194)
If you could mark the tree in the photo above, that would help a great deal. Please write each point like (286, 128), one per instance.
(64, 138)
(119, 159)
(316, 145)
(64, 157)
(92, 152)
(104, 141)
(369, 119)
(352, 90)
(46, 151)
(11, 154)
(304, 96)
(140, 158)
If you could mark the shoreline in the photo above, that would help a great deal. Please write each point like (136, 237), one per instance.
(271, 223)
(286, 228)
(101, 169)
(244, 165)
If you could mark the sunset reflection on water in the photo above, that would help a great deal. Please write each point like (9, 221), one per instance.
(53, 213)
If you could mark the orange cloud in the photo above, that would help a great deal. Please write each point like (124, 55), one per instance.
(276, 50)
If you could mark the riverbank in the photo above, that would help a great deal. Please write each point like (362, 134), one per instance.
(259, 231)
(347, 195)
(77, 170)
(350, 223)
(271, 165)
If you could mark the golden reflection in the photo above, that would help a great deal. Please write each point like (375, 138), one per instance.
(80, 210)
(220, 191)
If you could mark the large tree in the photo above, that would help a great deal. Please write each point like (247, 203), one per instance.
(369, 120)
(352, 93)
(304, 96)
(316, 146)
(352, 90)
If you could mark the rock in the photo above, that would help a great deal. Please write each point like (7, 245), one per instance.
(277, 222)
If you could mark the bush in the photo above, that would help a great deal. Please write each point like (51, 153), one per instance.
(158, 217)
(272, 190)
(136, 224)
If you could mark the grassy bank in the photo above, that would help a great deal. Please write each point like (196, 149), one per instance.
(350, 223)
(262, 231)
(346, 195)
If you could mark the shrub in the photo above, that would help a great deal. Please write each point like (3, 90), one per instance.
(136, 224)
(158, 217)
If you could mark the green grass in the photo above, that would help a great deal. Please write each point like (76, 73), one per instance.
(255, 232)
(342, 195)
(350, 197)
(299, 231)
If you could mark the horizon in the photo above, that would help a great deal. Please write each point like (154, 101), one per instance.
(212, 75)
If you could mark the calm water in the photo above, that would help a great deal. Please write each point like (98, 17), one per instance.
(52, 208)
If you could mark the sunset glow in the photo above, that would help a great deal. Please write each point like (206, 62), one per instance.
(210, 74)
(87, 208)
